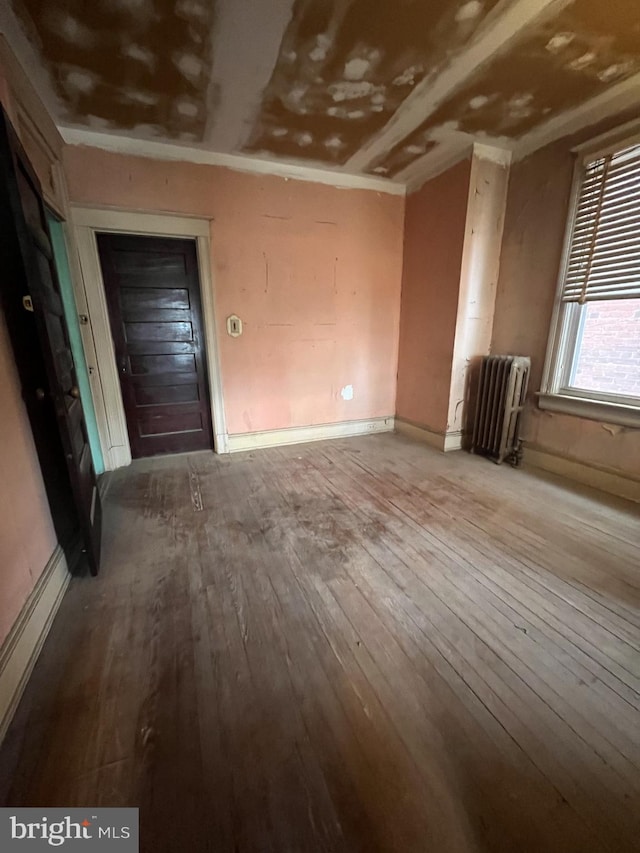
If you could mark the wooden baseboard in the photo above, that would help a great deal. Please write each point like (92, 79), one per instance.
(117, 457)
(221, 442)
(441, 441)
(301, 435)
(21, 648)
(453, 441)
(608, 481)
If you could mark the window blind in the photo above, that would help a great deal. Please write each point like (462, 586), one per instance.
(604, 256)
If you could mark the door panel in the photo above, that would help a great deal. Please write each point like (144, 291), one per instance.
(138, 300)
(162, 332)
(41, 343)
(159, 394)
(154, 304)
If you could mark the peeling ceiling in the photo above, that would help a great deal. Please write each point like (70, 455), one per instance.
(142, 65)
(344, 68)
(352, 85)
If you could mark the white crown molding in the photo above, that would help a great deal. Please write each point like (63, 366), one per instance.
(238, 162)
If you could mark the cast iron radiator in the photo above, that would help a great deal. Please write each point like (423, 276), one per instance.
(502, 389)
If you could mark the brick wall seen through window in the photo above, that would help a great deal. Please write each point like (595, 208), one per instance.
(608, 350)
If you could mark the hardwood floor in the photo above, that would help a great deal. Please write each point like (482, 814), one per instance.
(356, 645)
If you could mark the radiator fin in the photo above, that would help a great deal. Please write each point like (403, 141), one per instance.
(502, 389)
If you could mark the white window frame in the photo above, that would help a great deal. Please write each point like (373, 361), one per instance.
(556, 394)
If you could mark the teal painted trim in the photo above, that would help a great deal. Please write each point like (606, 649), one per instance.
(77, 350)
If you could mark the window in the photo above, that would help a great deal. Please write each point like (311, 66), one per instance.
(593, 363)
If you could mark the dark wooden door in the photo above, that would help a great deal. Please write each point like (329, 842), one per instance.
(153, 295)
(40, 339)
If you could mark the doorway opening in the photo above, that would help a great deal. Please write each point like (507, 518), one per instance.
(88, 224)
(152, 290)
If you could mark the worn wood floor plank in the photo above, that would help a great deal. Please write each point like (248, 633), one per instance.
(533, 706)
(435, 534)
(520, 616)
(357, 645)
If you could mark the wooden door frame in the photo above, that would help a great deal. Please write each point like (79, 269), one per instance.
(110, 414)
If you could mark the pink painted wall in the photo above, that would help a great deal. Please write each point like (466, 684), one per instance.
(535, 222)
(314, 273)
(27, 537)
(433, 242)
(537, 206)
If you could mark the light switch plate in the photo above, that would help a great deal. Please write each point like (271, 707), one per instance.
(234, 326)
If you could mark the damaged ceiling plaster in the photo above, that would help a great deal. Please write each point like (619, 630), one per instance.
(350, 85)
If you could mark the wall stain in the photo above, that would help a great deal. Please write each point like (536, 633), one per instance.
(141, 66)
(345, 66)
(343, 69)
(588, 47)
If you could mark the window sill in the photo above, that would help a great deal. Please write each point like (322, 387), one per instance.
(595, 410)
